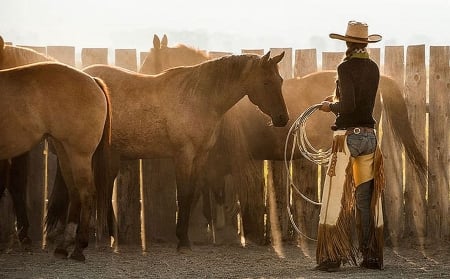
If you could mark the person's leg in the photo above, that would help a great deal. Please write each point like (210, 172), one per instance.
(363, 199)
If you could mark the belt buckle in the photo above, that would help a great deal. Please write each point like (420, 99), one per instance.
(356, 131)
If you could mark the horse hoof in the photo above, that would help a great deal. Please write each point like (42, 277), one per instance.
(78, 256)
(25, 243)
(184, 249)
(60, 253)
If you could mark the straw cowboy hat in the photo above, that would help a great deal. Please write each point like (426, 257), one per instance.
(357, 32)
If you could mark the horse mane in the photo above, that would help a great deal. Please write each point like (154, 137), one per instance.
(181, 54)
(192, 51)
(212, 75)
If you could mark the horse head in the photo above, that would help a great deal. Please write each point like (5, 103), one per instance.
(162, 57)
(266, 93)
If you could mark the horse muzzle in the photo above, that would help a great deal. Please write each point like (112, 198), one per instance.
(280, 120)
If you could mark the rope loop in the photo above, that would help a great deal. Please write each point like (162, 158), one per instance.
(300, 140)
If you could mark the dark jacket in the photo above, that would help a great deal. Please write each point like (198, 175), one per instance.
(358, 80)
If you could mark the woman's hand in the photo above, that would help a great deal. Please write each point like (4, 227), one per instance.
(329, 98)
(325, 106)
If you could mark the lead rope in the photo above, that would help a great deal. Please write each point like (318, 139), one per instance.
(318, 157)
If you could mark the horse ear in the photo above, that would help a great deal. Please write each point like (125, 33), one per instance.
(2, 43)
(164, 41)
(278, 58)
(156, 42)
(266, 57)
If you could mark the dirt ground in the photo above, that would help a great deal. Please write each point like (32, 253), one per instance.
(213, 261)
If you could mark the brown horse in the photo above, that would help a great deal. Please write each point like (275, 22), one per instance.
(162, 57)
(15, 170)
(71, 109)
(175, 114)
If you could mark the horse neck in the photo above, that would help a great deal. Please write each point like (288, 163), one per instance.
(223, 81)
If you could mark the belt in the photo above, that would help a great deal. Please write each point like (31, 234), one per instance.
(358, 130)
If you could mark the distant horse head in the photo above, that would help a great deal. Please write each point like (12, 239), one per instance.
(162, 57)
(266, 84)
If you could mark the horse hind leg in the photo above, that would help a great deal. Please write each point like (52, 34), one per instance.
(71, 225)
(18, 190)
(84, 182)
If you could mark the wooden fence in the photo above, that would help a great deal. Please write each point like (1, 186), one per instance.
(426, 88)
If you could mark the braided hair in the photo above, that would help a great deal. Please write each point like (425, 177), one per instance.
(354, 47)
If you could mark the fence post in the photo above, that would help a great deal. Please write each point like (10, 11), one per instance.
(415, 98)
(90, 56)
(330, 60)
(305, 62)
(438, 143)
(392, 154)
(305, 173)
(64, 54)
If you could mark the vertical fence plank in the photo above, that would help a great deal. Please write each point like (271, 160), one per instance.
(305, 173)
(330, 60)
(126, 58)
(305, 62)
(415, 97)
(90, 56)
(160, 207)
(285, 65)
(64, 54)
(128, 205)
(374, 54)
(142, 56)
(392, 155)
(438, 187)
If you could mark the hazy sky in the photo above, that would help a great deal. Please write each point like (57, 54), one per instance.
(220, 25)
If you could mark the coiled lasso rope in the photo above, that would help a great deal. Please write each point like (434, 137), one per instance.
(318, 157)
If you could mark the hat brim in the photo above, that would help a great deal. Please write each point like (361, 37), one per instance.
(374, 38)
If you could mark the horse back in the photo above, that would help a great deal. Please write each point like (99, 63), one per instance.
(49, 98)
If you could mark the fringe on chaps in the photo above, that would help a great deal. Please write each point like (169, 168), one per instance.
(338, 216)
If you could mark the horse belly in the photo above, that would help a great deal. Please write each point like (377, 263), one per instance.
(140, 144)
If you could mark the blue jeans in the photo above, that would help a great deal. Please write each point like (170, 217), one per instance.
(363, 144)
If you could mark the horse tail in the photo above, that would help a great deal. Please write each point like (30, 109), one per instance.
(397, 115)
(58, 204)
(101, 165)
(5, 168)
